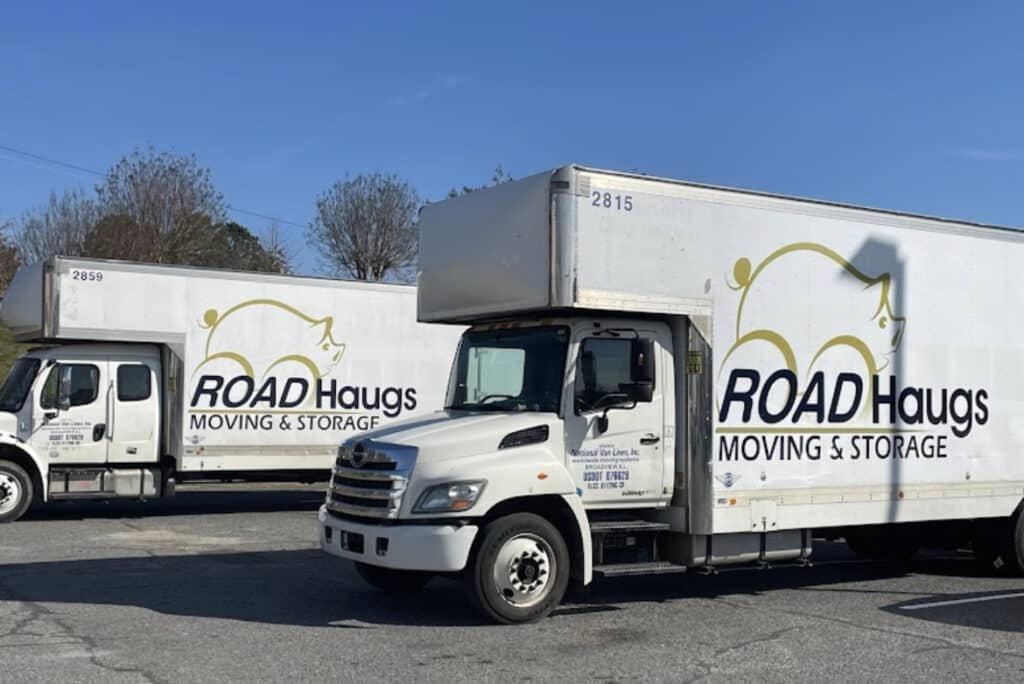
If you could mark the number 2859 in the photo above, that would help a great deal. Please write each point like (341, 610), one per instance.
(607, 200)
(91, 276)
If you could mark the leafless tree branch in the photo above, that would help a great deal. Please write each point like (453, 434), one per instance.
(365, 227)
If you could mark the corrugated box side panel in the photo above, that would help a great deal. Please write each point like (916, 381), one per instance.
(488, 252)
(278, 374)
(109, 301)
(22, 306)
(641, 245)
(867, 367)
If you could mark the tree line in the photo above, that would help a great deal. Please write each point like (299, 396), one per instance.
(160, 207)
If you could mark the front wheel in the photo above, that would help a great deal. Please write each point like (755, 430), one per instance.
(391, 580)
(15, 491)
(520, 571)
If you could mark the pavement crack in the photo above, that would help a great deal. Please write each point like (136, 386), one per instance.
(757, 640)
(709, 667)
(39, 612)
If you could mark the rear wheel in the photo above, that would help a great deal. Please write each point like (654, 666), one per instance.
(520, 571)
(391, 580)
(15, 491)
(999, 544)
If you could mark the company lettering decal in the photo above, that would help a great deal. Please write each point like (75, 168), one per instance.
(266, 387)
(606, 466)
(810, 374)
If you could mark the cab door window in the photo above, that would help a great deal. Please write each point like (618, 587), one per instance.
(603, 374)
(85, 385)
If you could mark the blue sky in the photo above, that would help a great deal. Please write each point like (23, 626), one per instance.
(917, 106)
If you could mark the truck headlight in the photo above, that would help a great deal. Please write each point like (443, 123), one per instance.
(450, 497)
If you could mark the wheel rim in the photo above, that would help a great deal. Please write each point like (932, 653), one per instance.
(10, 492)
(523, 570)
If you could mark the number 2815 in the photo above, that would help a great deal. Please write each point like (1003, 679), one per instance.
(607, 200)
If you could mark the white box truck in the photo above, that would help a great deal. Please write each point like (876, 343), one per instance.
(156, 374)
(661, 375)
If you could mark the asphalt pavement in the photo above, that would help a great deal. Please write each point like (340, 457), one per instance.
(225, 583)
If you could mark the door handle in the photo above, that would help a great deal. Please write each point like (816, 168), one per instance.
(49, 415)
(650, 439)
(98, 431)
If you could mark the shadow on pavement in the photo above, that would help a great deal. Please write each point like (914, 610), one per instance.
(994, 610)
(309, 588)
(293, 587)
(191, 500)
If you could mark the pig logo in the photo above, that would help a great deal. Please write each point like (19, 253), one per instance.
(852, 310)
(231, 337)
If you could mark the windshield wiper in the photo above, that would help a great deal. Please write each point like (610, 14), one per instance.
(488, 407)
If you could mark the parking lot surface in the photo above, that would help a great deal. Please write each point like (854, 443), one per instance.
(225, 583)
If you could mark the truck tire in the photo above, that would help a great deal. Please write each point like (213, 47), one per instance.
(391, 580)
(15, 491)
(999, 544)
(520, 570)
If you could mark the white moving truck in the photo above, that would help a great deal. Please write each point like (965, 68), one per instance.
(661, 375)
(153, 374)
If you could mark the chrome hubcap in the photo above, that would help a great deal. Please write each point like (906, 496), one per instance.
(10, 492)
(523, 570)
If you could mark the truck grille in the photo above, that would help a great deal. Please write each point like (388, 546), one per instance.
(369, 480)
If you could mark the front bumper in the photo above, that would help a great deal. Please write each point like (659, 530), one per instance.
(435, 548)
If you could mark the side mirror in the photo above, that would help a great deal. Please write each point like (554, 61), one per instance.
(641, 372)
(641, 367)
(64, 388)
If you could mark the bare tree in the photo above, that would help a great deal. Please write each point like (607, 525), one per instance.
(279, 255)
(157, 207)
(153, 207)
(58, 227)
(9, 258)
(499, 176)
(365, 228)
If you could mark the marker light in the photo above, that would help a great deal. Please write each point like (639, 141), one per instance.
(534, 435)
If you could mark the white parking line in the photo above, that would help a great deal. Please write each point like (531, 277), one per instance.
(956, 602)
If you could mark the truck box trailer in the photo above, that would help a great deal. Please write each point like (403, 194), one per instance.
(155, 374)
(661, 375)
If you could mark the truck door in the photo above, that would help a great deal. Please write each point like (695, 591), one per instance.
(615, 422)
(134, 399)
(75, 433)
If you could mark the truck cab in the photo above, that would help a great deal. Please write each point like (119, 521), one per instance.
(72, 412)
(546, 421)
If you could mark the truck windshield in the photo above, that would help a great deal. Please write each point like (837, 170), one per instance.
(510, 370)
(17, 384)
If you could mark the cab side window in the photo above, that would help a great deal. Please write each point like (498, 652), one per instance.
(85, 385)
(133, 382)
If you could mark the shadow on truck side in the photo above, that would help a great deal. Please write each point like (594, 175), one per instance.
(308, 588)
